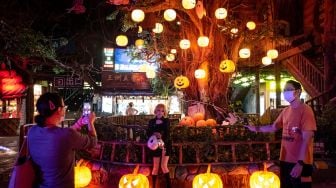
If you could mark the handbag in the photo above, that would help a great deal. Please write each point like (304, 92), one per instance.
(23, 174)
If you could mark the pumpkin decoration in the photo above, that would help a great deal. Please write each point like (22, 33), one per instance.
(209, 180)
(201, 123)
(211, 122)
(82, 175)
(181, 82)
(227, 66)
(264, 179)
(134, 180)
(187, 121)
(198, 116)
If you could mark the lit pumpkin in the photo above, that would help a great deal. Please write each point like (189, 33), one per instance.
(82, 176)
(181, 82)
(211, 122)
(134, 180)
(201, 123)
(187, 121)
(209, 180)
(198, 116)
(264, 179)
(227, 66)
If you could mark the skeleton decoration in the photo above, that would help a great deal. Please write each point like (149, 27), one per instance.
(77, 8)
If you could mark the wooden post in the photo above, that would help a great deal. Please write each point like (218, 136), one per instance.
(180, 154)
(257, 90)
(277, 84)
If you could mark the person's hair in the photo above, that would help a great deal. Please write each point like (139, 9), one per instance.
(161, 106)
(130, 104)
(295, 84)
(46, 106)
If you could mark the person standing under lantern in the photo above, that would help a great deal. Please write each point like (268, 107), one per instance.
(52, 148)
(160, 127)
(298, 125)
(131, 110)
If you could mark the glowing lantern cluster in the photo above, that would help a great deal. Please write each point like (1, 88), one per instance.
(209, 180)
(138, 15)
(244, 53)
(203, 41)
(272, 53)
(134, 180)
(227, 66)
(200, 73)
(221, 13)
(83, 175)
(158, 28)
(188, 4)
(185, 44)
(122, 40)
(181, 82)
(169, 15)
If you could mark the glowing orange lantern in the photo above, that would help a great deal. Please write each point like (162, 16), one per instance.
(227, 66)
(82, 176)
(203, 41)
(134, 180)
(181, 82)
(221, 13)
(184, 44)
(188, 4)
(200, 73)
(209, 180)
(169, 15)
(122, 40)
(272, 53)
(250, 25)
(139, 43)
(264, 179)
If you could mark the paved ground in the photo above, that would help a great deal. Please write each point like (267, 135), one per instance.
(8, 151)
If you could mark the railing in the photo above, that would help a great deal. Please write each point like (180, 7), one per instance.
(107, 151)
(305, 70)
(319, 101)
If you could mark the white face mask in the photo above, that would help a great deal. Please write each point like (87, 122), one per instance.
(289, 96)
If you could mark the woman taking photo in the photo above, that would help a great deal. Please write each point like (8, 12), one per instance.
(51, 147)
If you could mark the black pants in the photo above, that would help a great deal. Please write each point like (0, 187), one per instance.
(287, 181)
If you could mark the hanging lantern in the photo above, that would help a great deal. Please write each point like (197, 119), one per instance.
(82, 176)
(234, 30)
(137, 15)
(200, 73)
(227, 66)
(266, 60)
(188, 4)
(158, 28)
(143, 68)
(173, 51)
(170, 57)
(169, 15)
(181, 82)
(139, 29)
(139, 43)
(134, 180)
(209, 180)
(122, 40)
(264, 179)
(250, 25)
(203, 41)
(272, 53)
(221, 13)
(184, 44)
(150, 73)
(244, 53)
(200, 10)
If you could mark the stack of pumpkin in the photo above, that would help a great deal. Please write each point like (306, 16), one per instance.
(198, 120)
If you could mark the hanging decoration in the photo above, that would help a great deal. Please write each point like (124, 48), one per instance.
(139, 43)
(158, 28)
(266, 60)
(250, 25)
(227, 66)
(170, 57)
(200, 73)
(138, 15)
(11, 85)
(184, 44)
(203, 41)
(272, 53)
(181, 82)
(169, 15)
(122, 40)
(188, 4)
(200, 10)
(221, 13)
(244, 53)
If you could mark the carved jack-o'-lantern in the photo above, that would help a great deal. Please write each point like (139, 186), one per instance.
(209, 180)
(263, 179)
(227, 66)
(181, 82)
(187, 121)
(134, 180)
(82, 176)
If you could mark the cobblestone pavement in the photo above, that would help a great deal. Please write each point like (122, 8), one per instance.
(8, 153)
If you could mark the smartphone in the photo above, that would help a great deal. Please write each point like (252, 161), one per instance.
(86, 112)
